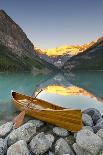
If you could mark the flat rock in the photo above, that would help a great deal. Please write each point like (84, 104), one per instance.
(60, 131)
(3, 146)
(41, 143)
(79, 150)
(62, 147)
(89, 141)
(37, 123)
(5, 129)
(19, 148)
(25, 132)
(94, 113)
(87, 120)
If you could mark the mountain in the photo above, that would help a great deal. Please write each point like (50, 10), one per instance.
(16, 50)
(58, 56)
(89, 59)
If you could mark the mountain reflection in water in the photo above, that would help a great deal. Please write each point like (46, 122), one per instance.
(75, 90)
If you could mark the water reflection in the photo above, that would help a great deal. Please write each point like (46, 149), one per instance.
(75, 90)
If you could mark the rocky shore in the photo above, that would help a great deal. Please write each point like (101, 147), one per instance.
(35, 137)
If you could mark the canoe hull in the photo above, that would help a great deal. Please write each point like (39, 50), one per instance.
(66, 118)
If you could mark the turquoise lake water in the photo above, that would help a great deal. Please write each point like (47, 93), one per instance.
(75, 90)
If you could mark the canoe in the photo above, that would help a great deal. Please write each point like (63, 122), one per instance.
(70, 119)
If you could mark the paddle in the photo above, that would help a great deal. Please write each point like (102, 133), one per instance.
(18, 120)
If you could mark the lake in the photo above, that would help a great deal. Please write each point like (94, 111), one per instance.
(73, 90)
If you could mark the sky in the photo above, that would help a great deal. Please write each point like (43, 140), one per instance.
(51, 23)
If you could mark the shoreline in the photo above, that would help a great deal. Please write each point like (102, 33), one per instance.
(35, 137)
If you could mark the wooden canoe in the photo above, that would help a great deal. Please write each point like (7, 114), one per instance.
(69, 119)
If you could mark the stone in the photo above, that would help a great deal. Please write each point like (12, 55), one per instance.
(41, 143)
(62, 147)
(94, 113)
(100, 133)
(87, 120)
(70, 139)
(60, 131)
(19, 148)
(3, 146)
(2, 122)
(89, 141)
(37, 123)
(87, 127)
(99, 121)
(79, 150)
(25, 132)
(5, 129)
(98, 126)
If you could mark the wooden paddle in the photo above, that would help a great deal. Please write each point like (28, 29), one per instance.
(18, 120)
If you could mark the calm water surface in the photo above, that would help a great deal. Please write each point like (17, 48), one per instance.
(75, 90)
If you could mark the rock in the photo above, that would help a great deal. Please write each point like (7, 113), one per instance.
(37, 123)
(41, 143)
(62, 147)
(2, 122)
(3, 146)
(87, 120)
(70, 139)
(60, 131)
(25, 132)
(89, 141)
(5, 129)
(79, 150)
(87, 127)
(51, 153)
(100, 133)
(19, 148)
(99, 121)
(94, 113)
(98, 126)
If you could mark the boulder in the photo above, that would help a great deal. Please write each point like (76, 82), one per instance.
(60, 131)
(89, 141)
(19, 148)
(62, 147)
(37, 123)
(41, 143)
(25, 132)
(94, 113)
(79, 150)
(5, 129)
(87, 120)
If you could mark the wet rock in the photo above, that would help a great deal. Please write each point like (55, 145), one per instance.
(62, 147)
(41, 143)
(19, 148)
(89, 141)
(87, 120)
(60, 131)
(94, 113)
(79, 150)
(3, 146)
(37, 123)
(25, 132)
(5, 129)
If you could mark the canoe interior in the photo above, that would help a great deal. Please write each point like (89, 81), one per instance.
(44, 104)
